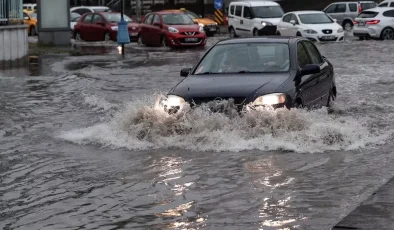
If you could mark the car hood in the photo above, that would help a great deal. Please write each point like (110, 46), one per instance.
(319, 27)
(205, 21)
(186, 28)
(226, 85)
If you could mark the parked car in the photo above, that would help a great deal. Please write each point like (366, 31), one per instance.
(346, 12)
(74, 18)
(210, 27)
(31, 23)
(173, 29)
(375, 23)
(102, 26)
(386, 4)
(30, 7)
(247, 18)
(89, 9)
(314, 25)
(253, 73)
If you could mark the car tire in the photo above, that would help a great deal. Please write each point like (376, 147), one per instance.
(331, 98)
(107, 37)
(347, 26)
(78, 37)
(299, 34)
(232, 33)
(33, 31)
(163, 41)
(387, 34)
(255, 32)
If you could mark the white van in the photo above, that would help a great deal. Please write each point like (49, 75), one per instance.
(253, 18)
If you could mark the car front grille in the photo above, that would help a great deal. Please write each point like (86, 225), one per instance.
(327, 31)
(190, 33)
(201, 100)
(217, 104)
(328, 40)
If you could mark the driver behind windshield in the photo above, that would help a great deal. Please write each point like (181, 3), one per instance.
(235, 61)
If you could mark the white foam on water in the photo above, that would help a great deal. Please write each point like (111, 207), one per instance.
(140, 126)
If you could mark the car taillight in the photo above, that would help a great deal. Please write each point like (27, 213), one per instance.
(372, 22)
(360, 9)
(355, 22)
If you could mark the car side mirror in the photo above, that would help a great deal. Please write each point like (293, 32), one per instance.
(185, 72)
(310, 69)
(26, 18)
(293, 22)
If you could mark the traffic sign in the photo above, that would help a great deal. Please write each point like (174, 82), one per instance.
(218, 4)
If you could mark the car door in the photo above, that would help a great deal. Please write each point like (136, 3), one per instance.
(146, 30)
(97, 28)
(308, 83)
(156, 30)
(284, 25)
(293, 28)
(339, 13)
(238, 20)
(85, 27)
(330, 10)
(324, 81)
(247, 20)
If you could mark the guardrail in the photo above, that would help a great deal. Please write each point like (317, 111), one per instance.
(11, 12)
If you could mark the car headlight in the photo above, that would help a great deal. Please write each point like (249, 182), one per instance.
(340, 30)
(266, 23)
(310, 31)
(270, 99)
(172, 101)
(202, 29)
(115, 28)
(215, 23)
(200, 24)
(172, 30)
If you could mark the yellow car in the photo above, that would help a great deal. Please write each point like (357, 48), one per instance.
(210, 27)
(31, 22)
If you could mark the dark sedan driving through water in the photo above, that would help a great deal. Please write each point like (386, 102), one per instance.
(254, 73)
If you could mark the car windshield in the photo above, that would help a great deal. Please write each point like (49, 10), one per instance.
(267, 11)
(192, 15)
(245, 58)
(315, 19)
(102, 10)
(33, 15)
(115, 17)
(177, 19)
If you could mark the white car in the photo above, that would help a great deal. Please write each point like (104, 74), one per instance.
(386, 4)
(247, 18)
(74, 18)
(314, 25)
(81, 10)
(375, 23)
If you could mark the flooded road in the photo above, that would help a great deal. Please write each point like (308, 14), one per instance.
(81, 147)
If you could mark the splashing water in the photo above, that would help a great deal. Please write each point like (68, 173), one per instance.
(140, 126)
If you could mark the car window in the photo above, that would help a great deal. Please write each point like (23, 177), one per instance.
(246, 57)
(232, 10)
(367, 6)
(331, 9)
(177, 19)
(392, 4)
(313, 53)
(97, 18)
(238, 10)
(294, 18)
(156, 19)
(341, 8)
(267, 11)
(247, 13)
(115, 17)
(148, 20)
(287, 18)
(368, 14)
(88, 18)
(353, 7)
(302, 56)
(389, 13)
(386, 4)
(82, 11)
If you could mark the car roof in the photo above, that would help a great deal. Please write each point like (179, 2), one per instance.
(268, 39)
(306, 12)
(256, 3)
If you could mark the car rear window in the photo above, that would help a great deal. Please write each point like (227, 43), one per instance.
(368, 14)
(367, 6)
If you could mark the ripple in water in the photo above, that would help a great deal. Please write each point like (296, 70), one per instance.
(139, 126)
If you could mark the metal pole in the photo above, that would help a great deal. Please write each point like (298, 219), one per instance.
(121, 15)
(7, 11)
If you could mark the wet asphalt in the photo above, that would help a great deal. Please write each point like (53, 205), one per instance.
(82, 148)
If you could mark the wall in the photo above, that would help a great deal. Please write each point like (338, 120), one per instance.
(13, 46)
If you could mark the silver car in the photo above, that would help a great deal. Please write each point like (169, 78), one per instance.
(346, 12)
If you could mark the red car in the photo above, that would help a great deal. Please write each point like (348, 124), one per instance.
(174, 29)
(102, 26)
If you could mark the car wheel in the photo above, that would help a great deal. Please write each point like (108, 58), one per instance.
(232, 33)
(255, 32)
(164, 41)
(299, 34)
(348, 26)
(33, 31)
(278, 33)
(387, 34)
(107, 38)
(139, 40)
(78, 37)
(331, 98)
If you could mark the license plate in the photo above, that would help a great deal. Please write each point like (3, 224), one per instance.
(191, 39)
(361, 24)
(212, 29)
(328, 37)
(133, 34)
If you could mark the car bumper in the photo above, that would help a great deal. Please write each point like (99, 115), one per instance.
(370, 31)
(320, 37)
(211, 29)
(182, 40)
